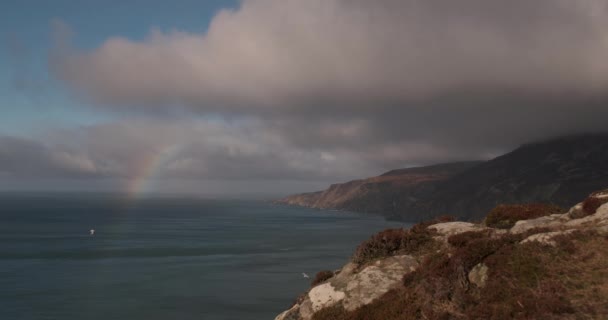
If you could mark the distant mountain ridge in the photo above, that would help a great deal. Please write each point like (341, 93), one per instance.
(560, 171)
(383, 194)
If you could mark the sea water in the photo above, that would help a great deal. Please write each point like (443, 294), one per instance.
(165, 257)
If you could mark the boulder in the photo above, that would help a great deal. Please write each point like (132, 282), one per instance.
(546, 237)
(353, 287)
(447, 229)
(479, 275)
(598, 219)
(375, 280)
(356, 285)
(323, 296)
(550, 221)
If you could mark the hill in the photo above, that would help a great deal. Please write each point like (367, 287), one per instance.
(385, 194)
(558, 171)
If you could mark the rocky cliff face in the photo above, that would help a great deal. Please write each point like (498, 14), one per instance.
(558, 171)
(550, 266)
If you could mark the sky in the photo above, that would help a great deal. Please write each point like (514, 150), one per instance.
(281, 96)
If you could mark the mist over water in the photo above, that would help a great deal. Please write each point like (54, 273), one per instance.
(164, 258)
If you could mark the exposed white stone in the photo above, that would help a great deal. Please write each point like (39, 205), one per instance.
(479, 275)
(546, 237)
(599, 218)
(456, 227)
(375, 280)
(324, 295)
(551, 221)
(353, 287)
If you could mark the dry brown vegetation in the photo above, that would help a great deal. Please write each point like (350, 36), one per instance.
(591, 204)
(504, 216)
(321, 277)
(525, 281)
(397, 241)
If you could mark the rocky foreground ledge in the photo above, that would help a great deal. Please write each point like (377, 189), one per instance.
(532, 261)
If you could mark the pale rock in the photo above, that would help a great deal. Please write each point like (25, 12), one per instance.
(550, 221)
(598, 219)
(601, 195)
(306, 311)
(323, 296)
(375, 280)
(291, 314)
(353, 287)
(576, 211)
(546, 237)
(479, 275)
(447, 229)
(603, 230)
(345, 273)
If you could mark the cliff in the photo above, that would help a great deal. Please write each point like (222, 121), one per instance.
(558, 171)
(385, 194)
(523, 262)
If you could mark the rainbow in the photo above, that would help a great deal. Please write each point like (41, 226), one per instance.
(149, 167)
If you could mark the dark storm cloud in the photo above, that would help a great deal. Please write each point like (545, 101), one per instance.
(369, 84)
(28, 158)
(352, 54)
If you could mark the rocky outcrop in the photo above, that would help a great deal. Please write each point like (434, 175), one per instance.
(447, 229)
(479, 275)
(353, 287)
(467, 247)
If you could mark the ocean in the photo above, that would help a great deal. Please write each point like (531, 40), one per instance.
(164, 257)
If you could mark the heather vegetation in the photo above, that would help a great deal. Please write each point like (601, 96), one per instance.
(526, 281)
(529, 261)
(504, 216)
(321, 277)
(564, 279)
(591, 204)
(398, 241)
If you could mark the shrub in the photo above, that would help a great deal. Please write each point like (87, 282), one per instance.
(462, 239)
(299, 299)
(379, 245)
(525, 281)
(335, 312)
(394, 241)
(321, 277)
(504, 216)
(477, 250)
(591, 204)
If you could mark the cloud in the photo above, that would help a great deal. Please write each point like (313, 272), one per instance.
(287, 54)
(337, 88)
(245, 150)
(179, 149)
(21, 157)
